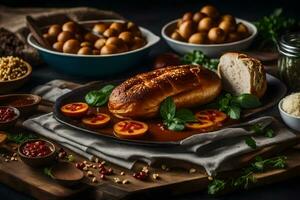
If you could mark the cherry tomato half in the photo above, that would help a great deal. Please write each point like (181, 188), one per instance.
(98, 120)
(130, 129)
(76, 109)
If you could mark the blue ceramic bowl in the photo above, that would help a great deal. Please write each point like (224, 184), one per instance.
(95, 65)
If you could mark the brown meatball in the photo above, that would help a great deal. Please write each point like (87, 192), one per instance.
(58, 46)
(54, 30)
(117, 26)
(216, 35)
(109, 49)
(228, 17)
(187, 16)
(71, 46)
(198, 38)
(100, 28)
(96, 52)
(227, 26)
(138, 43)
(64, 36)
(176, 36)
(99, 43)
(70, 26)
(127, 37)
(86, 44)
(210, 11)
(50, 38)
(233, 37)
(110, 32)
(205, 24)
(85, 51)
(186, 29)
(242, 30)
(198, 16)
(90, 37)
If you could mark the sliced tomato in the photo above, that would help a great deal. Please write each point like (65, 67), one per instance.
(130, 129)
(212, 115)
(98, 120)
(202, 124)
(76, 109)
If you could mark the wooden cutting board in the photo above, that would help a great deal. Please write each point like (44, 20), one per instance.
(176, 181)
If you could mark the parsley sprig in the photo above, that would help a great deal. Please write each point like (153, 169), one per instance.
(247, 176)
(233, 105)
(20, 137)
(258, 129)
(199, 58)
(174, 119)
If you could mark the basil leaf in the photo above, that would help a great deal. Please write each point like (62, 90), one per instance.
(99, 97)
(107, 89)
(247, 101)
(176, 126)
(168, 109)
(250, 142)
(185, 115)
(234, 112)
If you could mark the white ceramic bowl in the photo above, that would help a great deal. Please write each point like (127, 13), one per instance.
(290, 120)
(211, 50)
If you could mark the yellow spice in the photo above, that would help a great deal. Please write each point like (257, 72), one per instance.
(291, 104)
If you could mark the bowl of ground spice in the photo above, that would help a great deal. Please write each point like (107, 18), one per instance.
(14, 72)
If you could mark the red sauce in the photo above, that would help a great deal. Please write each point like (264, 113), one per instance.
(22, 102)
(37, 148)
(74, 106)
(130, 126)
(97, 117)
(7, 114)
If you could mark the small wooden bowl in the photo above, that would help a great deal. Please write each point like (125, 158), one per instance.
(24, 109)
(38, 161)
(8, 124)
(8, 86)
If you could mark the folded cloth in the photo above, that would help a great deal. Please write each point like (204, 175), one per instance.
(209, 150)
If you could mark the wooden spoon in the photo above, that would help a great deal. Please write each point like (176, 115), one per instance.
(66, 174)
(36, 32)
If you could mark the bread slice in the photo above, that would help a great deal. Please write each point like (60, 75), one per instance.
(241, 73)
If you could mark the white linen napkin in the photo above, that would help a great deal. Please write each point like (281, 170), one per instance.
(209, 150)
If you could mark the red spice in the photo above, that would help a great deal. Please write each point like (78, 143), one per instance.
(7, 114)
(141, 175)
(37, 148)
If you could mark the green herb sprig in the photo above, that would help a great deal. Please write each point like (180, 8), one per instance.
(232, 105)
(199, 58)
(20, 137)
(48, 172)
(175, 120)
(247, 176)
(271, 27)
(258, 130)
(99, 97)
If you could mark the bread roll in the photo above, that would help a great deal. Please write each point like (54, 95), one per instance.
(141, 95)
(241, 73)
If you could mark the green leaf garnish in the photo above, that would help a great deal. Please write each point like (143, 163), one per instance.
(99, 97)
(216, 186)
(175, 120)
(48, 172)
(247, 101)
(20, 137)
(199, 58)
(250, 142)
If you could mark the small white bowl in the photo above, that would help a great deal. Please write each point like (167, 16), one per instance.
(211, 50)
(290, 120)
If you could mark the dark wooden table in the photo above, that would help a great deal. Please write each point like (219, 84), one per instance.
(153, 14)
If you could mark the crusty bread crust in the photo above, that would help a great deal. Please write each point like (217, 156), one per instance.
(141, 95)
(258, 81)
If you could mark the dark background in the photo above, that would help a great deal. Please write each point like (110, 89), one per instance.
(153, 14)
